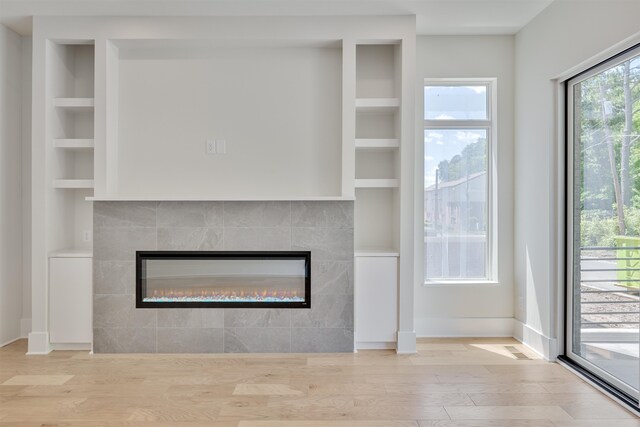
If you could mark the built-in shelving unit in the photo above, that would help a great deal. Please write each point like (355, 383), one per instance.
(69, 163)
(377, 189)
(377, 183)
(73, 143)
(377, 104)
(377, 146)
(74, 103)
(377, 143)
(340, 116)
(70, 148)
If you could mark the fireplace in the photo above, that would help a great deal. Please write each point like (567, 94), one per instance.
(174, 279)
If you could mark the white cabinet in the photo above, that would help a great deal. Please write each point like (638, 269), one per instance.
(70, 293)
(376, 300)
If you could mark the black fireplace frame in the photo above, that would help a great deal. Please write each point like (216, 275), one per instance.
(248, 255)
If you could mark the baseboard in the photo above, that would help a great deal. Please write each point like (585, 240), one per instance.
(406, 342)
(10, 341)
(376, 346)
(25, 327)
(38, 343)
(435, 327)
(545, 346)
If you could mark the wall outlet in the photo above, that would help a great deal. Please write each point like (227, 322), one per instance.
(210, 146)
(221, 146)
(86, 236)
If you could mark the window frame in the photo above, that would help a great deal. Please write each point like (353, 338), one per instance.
(491, 126)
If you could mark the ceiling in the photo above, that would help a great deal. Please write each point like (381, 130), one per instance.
(434, 17)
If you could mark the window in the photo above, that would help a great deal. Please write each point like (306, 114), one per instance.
(458, 136)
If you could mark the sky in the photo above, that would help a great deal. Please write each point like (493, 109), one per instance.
(450, 103)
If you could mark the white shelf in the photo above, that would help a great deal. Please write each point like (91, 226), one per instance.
(376, 253)
(73, 183)
(377, 183)
(377, 143)
(73, 143)
(72, 253)
(221, 199)
(377, 104)
(74, 103)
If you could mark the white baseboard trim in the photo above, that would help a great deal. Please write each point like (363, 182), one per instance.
(10, 341)
(375, 345)
(406, 342)
(38, 343)
(25, 327)
(70, 346)
(435, 327)
(545, 346)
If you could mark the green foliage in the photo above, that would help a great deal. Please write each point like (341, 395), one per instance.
(600, 228)
(597, 228)
(601, 113)
(472, 159)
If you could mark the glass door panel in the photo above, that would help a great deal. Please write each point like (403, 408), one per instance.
(603, 240)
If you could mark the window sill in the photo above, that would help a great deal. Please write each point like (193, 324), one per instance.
(460, 283)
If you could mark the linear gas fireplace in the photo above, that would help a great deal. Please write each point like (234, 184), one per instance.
(173, 279)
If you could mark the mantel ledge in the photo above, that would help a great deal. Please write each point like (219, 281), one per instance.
(222, 199)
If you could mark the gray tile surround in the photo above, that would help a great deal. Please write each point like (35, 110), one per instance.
(324, 228)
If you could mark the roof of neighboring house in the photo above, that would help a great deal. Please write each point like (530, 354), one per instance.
(455, 183)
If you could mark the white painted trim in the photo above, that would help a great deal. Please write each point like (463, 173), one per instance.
(600, 57)
(375, 345)
(465, 327)
(224, 199)
(543, 345)
(10, 341)
(39, 343)
(406, 342)
(25, 327)
(490, 124)
(70, 346)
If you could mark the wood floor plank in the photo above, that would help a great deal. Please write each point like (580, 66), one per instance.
(486, 423)
(448, 383)
(507, 413)
(325, 423)
(607, 410)
(598, 423)
(38, 380)
(267, 390)
(538, 399)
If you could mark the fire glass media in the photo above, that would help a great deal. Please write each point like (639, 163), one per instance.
(223, 279)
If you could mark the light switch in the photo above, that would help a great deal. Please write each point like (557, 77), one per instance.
(221, 146)
(211, 146)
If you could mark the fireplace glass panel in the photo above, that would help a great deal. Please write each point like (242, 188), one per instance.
(223, 279)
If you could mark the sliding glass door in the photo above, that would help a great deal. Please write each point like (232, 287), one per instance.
(603, 218)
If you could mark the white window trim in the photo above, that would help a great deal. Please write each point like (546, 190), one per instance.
(491, 123)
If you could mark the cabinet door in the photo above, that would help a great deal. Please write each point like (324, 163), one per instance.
(376, 295)
(70, 290)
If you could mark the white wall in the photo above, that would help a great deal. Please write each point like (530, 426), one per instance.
(473, 309)
(562, 37)
(26, 185)
(278, 108)
(10, 191)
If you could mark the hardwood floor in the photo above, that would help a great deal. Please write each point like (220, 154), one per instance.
(450, 382)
